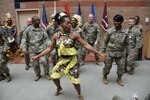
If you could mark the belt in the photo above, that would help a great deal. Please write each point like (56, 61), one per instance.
(66, 56)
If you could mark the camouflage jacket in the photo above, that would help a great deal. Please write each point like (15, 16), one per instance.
(141, 33)
(92, 32)
(134, 39)
(51, 30)
(35, 40)
(78, 31)
(3, 44)
(21, 34)
(115, 42)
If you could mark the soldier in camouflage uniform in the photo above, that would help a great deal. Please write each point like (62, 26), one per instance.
(115, 46)
(137, 25)
(134, 43)
(51, 29)
(78, 30)
(27, 58)
(92, 35)
(38, 40)
(4, 71)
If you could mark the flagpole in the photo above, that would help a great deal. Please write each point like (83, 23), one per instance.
(54, 7)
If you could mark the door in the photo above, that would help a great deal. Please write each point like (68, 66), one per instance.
(22, 15)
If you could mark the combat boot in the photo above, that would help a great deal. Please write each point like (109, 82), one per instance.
(97, 63)
(2, 77)
(105, 80)
(48, 76)
(37, 77)
(8, 77)
(27, 67)
(131, 72)
(119, 81)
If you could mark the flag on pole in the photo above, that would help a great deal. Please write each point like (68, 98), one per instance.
(79, 9)
(104, 23)
(44, 21)
(93, 11)
(67, 8)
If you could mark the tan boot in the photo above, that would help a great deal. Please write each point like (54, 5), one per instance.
(37, 77)
(119, 81)
(131, 72)
(105, 80)
(47, 76)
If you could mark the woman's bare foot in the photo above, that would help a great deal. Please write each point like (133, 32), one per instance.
(58, 91)
(81, 97)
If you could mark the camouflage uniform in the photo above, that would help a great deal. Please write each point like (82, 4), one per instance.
(140, 50)
(27, 57)
(36, 40)
(134, 43)
(3, 59)
(92, 35)
(78, 47)
(115, 46)
(51, 30)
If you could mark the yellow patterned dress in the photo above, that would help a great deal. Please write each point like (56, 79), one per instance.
(67, 64)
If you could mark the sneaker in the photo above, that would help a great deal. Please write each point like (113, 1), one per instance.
(37, 77)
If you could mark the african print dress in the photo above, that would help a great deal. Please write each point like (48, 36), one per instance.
(67, 64)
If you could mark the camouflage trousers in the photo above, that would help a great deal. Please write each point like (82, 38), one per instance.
(80, 50)
(54, 56)
(84, 52)
(36, 64)
(130, 60)
(3, 67)
(120, 61)
(27, 59)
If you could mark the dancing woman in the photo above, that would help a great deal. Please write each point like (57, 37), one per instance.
(67, 64)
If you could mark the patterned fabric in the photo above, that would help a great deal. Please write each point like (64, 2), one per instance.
(92, 32)
(68, 60)
(35, 39)
(134, 39)
(10, 29)
(114, 42)
(51, 30)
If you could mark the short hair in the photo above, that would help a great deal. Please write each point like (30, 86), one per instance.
(60, 17)
(137, 19)
(34, 18)
(118, 18)
(132, 18)
(91, 15)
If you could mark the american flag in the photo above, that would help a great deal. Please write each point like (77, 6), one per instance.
(104, 23)
(44, 21)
